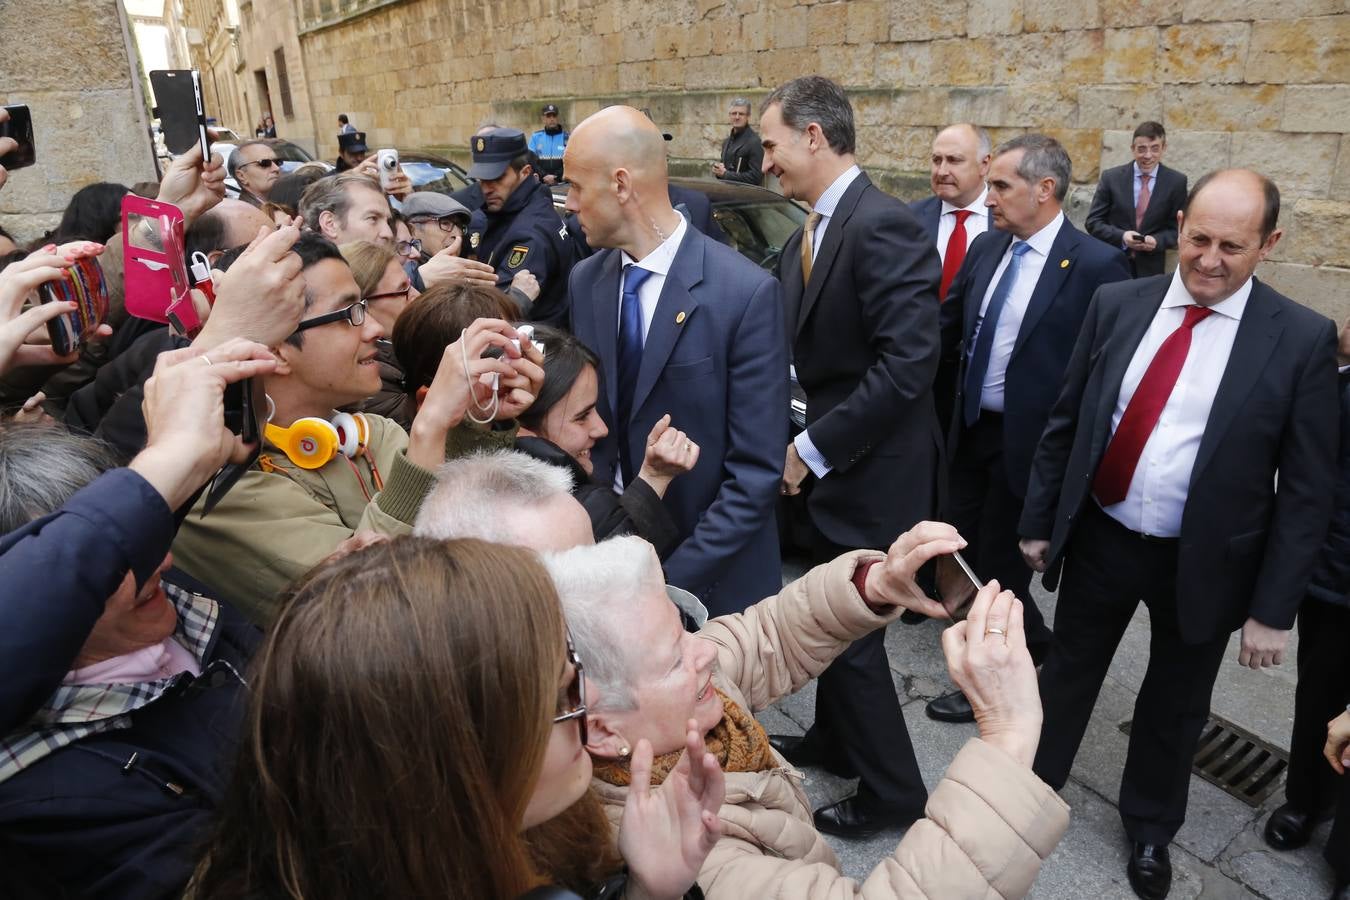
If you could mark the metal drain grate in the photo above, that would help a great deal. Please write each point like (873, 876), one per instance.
(1236, 761)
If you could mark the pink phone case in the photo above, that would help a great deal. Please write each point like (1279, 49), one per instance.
(153, 257)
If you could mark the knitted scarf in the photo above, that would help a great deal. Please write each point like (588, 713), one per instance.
(738, 742)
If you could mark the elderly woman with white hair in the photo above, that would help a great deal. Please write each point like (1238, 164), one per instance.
(989, 824)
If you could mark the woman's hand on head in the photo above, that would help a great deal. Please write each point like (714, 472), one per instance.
(667, 832)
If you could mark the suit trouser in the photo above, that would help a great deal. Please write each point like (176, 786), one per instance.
(985, 510)
(858, 726)
(1108, 569)
(1323, 691)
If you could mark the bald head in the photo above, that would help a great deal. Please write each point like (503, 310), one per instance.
(1226, 228)
(959, 164)
(616, 166)
(242, 221)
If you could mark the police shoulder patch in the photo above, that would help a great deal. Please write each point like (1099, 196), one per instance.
(474, 239)
(517, 257)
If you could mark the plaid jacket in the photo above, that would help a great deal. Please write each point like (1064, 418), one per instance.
(76, 711)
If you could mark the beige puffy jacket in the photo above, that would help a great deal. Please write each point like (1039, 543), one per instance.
(989, 823)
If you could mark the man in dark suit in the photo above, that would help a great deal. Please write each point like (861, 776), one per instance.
(686, 326)
(1135, 207)
(955, 215)
(1155, 479)
(1008, 327)
(859, 284)
(1313, 790)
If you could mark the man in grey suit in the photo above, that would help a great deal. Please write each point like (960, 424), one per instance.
(1135, 207)
(1155, 480)
(687, 326)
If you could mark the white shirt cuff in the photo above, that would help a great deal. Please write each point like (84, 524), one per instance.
(813, 458)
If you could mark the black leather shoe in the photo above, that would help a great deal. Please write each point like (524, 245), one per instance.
(1289, 827)
(1150, 871)
(910, 617)
(854, 818)
(796, 750)
(953, 707)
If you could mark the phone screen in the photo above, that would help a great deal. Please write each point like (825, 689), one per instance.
(957, 585)
(182, 116)
(19, 127)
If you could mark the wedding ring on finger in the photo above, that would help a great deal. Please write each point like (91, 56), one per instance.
(998, 631)
(206, 359)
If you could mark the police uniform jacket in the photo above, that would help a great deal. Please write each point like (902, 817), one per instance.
(526, 233)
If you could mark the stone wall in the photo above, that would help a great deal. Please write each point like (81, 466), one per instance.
(69, 62)
(266, 28)
(1236, 82)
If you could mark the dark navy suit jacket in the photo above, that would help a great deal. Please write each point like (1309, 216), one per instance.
(715, 359)
(1076, 267)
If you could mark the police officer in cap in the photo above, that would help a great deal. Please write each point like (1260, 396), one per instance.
(519, 228)
(548, 143)
(351, 150)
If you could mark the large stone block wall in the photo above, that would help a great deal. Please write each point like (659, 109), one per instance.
(1236, 82)
(68, 61)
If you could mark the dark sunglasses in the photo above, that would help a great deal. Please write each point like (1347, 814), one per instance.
(265, 163)
(576, 693)
(353, 315)
(401, 294)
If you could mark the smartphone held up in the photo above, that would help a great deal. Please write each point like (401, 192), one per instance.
(19, 126)
(84, 284)
(957, 585)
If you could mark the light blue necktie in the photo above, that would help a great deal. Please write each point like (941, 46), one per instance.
(984, 342)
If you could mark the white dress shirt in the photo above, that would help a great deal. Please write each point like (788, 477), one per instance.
(1014, 308)
(825, 205)
(658, 262)
(977, 223)
(1157, 496)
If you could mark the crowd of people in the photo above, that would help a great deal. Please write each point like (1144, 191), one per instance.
(442, 555)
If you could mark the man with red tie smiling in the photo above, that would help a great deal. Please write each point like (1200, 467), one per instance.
(1155, 480)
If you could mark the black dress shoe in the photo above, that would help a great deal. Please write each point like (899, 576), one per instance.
(1150, 871)
(953, 707)
(1289, 827)
(854, 818)
(798, 751)
(910, 617)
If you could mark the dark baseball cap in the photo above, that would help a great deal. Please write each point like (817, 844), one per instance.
(353, 141)
(550, 108)
(492, 152)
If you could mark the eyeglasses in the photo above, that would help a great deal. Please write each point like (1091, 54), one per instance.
(407, 248)
(354, 315)
(447, 223)
(401, 294)
(576, 693)
(265, 163)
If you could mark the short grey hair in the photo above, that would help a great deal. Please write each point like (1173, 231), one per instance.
(1042, 157)
(738, 103)
(597, 585)
(474, 493)
(234, 163)
(331, 194)
(982, 139)
(43, 466)
(815, 98)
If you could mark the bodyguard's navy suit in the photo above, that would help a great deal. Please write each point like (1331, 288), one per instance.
(715, 359)
(999, 447)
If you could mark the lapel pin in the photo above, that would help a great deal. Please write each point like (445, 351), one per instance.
(679, 318)
(1063, 263)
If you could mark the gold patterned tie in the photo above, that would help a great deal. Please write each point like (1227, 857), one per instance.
(808, 245)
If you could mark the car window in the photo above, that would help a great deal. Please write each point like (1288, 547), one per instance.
(759, 230)
(288, 152)
(426, 176)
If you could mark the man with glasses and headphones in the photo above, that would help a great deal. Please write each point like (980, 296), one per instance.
(255, 167)
(326, 480)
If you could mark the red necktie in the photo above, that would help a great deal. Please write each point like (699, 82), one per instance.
(956, 252)
(1141, 205)
(1122, 455)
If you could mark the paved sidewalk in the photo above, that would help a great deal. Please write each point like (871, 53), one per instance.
(1218, 853)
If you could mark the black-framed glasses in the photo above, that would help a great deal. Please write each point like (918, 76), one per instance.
(264, 163)
(401, 294)
(446, 223)
(408, 248)
(576, 693)
(353, 315)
